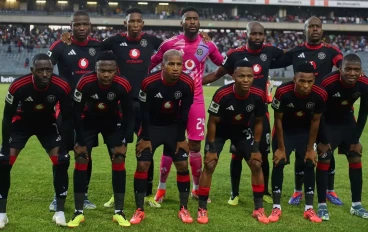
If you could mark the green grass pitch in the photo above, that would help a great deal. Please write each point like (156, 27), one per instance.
(32, 191)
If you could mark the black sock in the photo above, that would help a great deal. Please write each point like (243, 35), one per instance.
(277, 179)
(299, 174)
(118, 184)
(235, 173)
(321, 179)
(203, 193)
(61, 184)
(80, 184)
(258, 191)
(309, 183)
(183, 182)
(331, 174)
(89, 173)
(356, 181)
(266, 172)
(4, 186)
(150, 180)
(140, 185)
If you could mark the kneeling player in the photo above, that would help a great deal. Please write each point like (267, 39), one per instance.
(230, 111)
(96, 101)
(166, 97)
(339, 130)
(35, 95)
(298, 108)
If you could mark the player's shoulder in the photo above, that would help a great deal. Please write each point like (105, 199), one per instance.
(148, 36)
(284, 89)
(223, 91)
(257, 92)
(363, 80)
(86, 80)
(58, 44)
(20, 83)
(170, 41)
(330, 78)
(237, 50)
(123, 82)
(92, 42)
(187, 80)
(60, 83)
(151, 79)
(320, 92)
(330, 47)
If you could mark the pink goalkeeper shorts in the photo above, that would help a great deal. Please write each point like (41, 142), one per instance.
(196, 122)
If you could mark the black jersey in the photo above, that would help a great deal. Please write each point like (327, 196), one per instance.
(97, 104)
(24, 101)
(134, 56)
(261, 60)
(74, 60)
(323, 57)
(235, 111)
(165, 104)
(298, 110)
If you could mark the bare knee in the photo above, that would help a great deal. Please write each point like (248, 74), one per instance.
(143, 166)
(181, 166)
(255, 166)
(194, 146)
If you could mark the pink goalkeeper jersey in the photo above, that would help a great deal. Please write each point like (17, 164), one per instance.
(195, 54)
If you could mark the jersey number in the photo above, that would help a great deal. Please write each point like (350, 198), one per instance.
(200, 123)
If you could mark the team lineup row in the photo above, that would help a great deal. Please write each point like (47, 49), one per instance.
(170, 101)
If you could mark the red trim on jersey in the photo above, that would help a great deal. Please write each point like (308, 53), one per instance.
(37, 89)
(281, 91)
(164, 81)
(253, 51)
(188, 80)
(94, 39)
(123, 82)
(54, 44)
(132, 39)
(61, 83)
(336, 59)
(84, 43)
(86, 80)
(150, 79)
(259, 92)
(363, 79)
(302, 96)
(313, 47)
(330, 79)
(241, 97)
(321, 92)
(220, 94)
(19, 83)
(239, 49)
(103, 87)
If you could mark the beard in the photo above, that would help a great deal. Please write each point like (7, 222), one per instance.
(255, 46)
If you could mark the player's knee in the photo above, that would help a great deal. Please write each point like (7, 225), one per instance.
(324, 161)
(194, 146)
(181, 166)
(81, 159)
(355, 160)
(210, 166)
(255, 166)
(143, 166)
(118, 159)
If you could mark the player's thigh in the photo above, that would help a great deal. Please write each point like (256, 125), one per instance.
(21, 132)
(90, 136)
(288, 144)
(264, 146)
(243, 146)
(170, 143)
(196, 122)
(299, 140)
(49, 135)
(156, 139)
(219, 142)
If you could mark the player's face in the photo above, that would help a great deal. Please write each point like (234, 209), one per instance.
(243, 77)
(134, 24)
(190, 22)
(106, 70)
(81, 27)
(42, 72)
(350, 72)
(304, 83)
(313, 30)
(173, 68)
(256, 37)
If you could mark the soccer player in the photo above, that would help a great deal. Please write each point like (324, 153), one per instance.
(166, 97)
(298, 107)
(340, 130)
(261, 56)
(29, 110)
(73, 61)
(96, 100)
(195, 52)
(230, 113)
(323, 57)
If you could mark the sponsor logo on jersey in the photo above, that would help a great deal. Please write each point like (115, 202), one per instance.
(92, 51)
(144, 43)
(257, 69)
(214, 107)
(83, 63)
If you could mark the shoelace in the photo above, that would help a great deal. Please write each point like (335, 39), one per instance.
(260, 213)
(311, 213)
(137, 213)
(203, 213)
(184, 212)
(275, 211)
(76, 214)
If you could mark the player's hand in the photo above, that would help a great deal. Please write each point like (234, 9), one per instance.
(119, 151)
(312, 156)
(66, 37)
(81, 150)
(205, 36)
(278, 156)
(356, 148)
(143, 145)
(182, 145)
(257, 156)
(323, 148)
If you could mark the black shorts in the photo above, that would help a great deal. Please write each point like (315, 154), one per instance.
(108, 130)
(47, 133)
(294, 140)
(136, 124)
(163, 135)
(241, 144)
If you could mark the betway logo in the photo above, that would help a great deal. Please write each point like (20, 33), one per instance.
(7, 79)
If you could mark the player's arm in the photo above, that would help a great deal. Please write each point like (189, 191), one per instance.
(145, 114)
(214, 111)
(362, 119)
(80, 98)
(55, 50)
(313, 131)
(156, 42)
(126, 103)
(258, 126)
(107, 43)
(158, 57)
(282, 61)
(215, 55)
(66, 115)
(336, 56)
(10, 108)
(226, 67)
(186, 103)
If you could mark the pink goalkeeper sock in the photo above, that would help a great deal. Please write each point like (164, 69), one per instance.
(165, 166)
(196, 166)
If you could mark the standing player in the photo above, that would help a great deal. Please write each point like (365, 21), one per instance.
(323, 57)
(166, 97)
(230, 112)
(73, 61)
(195, 52)
(339, 129)
(261, 57)
(298, 107)
(96, 100)
(29, 110)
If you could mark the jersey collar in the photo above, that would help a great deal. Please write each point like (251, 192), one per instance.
(240, 97)
(298, 95)
(84, 43)
(134, 39)
(253, 51)
(314, 47)
(165, 83)
(37, 89)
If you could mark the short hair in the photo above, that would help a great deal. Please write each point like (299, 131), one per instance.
(106, 55)
(352, 58)
(133, 10)
(187, 9)
(40, 56)
(251, 24)
(309, 19)
(171, 52)
(305, 67)
(79, 13)
(243, 63)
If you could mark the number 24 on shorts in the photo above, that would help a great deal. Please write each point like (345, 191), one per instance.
(200, 123)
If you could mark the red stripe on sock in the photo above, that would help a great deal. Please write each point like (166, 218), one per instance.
(182, 178)
(118, 167)
(80, 167)
(355, 166)
(54, 160)
(258, 188)
(323, 167)
(12, 159)
(202, 191)
(236, 157)
(140, 175)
